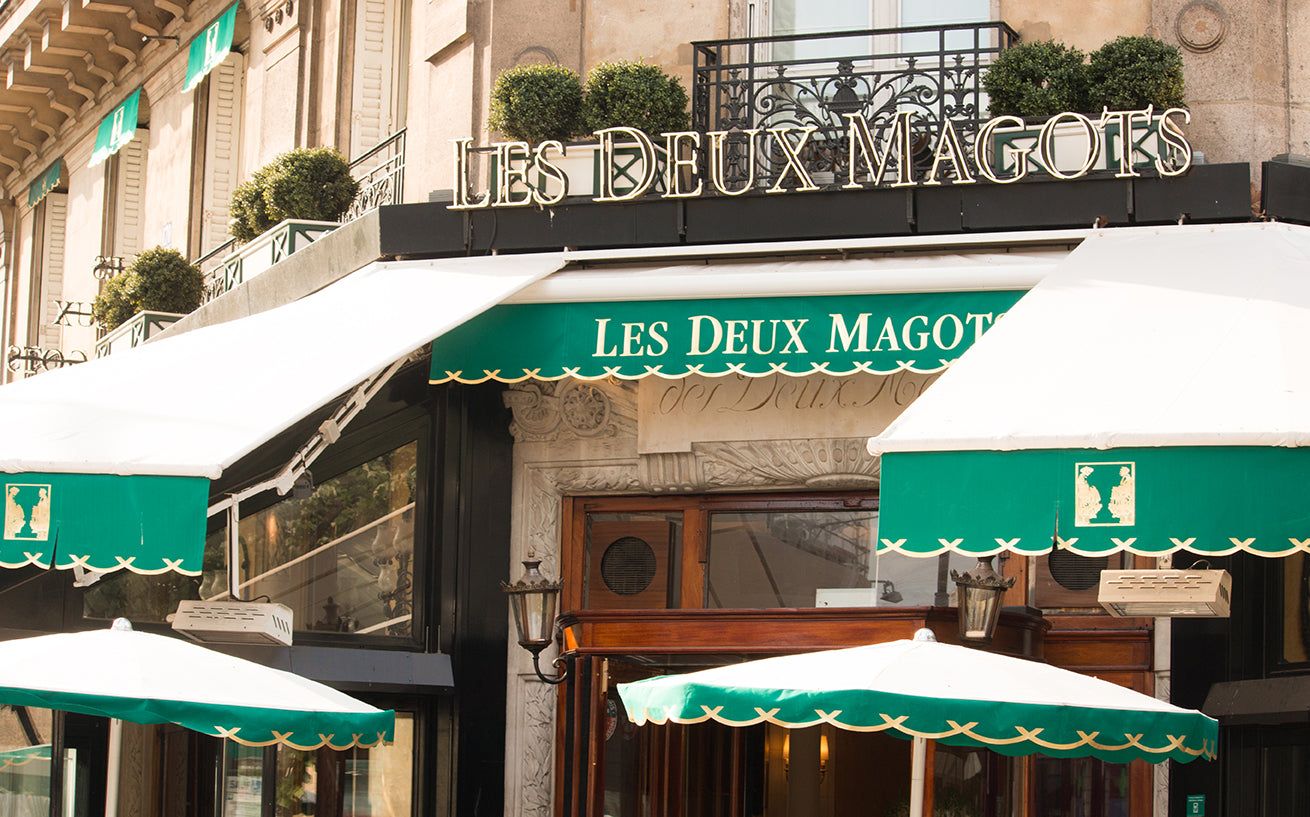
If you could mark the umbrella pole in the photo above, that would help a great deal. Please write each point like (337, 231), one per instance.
(918, 762)
(112, 767)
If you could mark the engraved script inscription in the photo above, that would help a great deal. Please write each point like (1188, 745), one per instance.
(697, 409)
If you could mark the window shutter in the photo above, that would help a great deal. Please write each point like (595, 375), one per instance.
(222, 148)
(129, 211)
(52, 266)
(372, 104)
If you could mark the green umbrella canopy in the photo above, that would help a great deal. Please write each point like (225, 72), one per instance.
(146, 678)
(923, 689)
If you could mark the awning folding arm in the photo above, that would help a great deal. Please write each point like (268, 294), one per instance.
(329, 431)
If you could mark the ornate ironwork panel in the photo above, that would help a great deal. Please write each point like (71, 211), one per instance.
(381, 175)
(813, 81)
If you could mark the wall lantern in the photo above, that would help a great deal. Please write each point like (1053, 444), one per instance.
(979, 592)
(533, 600)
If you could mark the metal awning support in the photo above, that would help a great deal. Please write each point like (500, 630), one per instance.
(329, 431)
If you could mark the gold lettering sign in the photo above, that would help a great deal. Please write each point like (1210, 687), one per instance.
(1067, 146)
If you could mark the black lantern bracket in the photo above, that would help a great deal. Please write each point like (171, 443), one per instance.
(979, 594)
(533, 601)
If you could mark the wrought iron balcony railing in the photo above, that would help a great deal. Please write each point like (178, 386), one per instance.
(932, 72)
(381, 175)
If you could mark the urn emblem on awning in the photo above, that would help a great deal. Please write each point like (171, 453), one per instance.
(1105, 494)
(27, 512)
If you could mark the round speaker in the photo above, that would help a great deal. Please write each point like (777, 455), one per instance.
(628, 566)
(1074, 572)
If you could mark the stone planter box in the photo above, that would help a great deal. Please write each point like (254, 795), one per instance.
(255, 256)
(137, 330)
(581, 164)
(1071, 147)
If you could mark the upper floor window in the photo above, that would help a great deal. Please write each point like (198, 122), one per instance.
(342, 557)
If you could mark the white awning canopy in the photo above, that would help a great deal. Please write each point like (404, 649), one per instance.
(107, 464)
(194, 404)
(1150, 394)
(1184, 335)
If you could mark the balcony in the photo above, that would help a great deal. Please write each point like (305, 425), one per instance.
(932, 72)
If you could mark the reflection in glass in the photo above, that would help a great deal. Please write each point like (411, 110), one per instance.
(138, 597)
(341, 558)
(243, 780)
(24, 762)
(973, 782)
(376, 782)
(761, 560)
(1081, 787)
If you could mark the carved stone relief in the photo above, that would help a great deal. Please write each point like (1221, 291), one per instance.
(538, 750)
(561, 410)
(553, 426)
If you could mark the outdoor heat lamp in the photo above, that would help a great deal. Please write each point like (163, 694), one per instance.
(533, 600)
(1190, 592)
(979, 592)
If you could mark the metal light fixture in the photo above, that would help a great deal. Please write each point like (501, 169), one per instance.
(1189, 592)
(979, 592)
(533, 599)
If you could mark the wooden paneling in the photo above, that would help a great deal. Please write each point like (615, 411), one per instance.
(761, 632)
(620, 553)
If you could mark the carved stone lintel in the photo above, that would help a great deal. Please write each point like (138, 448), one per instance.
(818, 464)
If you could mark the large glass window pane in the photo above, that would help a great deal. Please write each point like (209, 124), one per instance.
(243, 780)
(972, 782)
(379, 781)
(761, 560)
(341, 558)
(24, 761)
(375, 782)
(139, 598)
(1081, 787)
(796, 17)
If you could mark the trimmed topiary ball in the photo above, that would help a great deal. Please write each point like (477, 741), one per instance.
(248, 216)
(159, 279)
(1129, 73)
(114, 306)
(1037, 80)
(634, 95)
(533, 103)
(311, 184)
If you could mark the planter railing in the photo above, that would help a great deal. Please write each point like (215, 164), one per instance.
(934, 72)
(381, 176)
(135, 331)
(258, 255)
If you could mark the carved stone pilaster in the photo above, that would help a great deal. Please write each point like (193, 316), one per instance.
(538, 749)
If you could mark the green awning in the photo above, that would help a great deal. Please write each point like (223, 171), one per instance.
(103, 522)
(1147, 395)
(107, 465)
(832, 334)
(210, 48)
(44, 183)
(117, 129)
(1210, 500)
